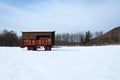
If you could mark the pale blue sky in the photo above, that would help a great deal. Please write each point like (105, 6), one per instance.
(59, 15)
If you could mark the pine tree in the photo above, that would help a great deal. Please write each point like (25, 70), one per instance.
(87, 36)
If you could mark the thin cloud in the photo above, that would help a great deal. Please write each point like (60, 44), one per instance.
(61, 15)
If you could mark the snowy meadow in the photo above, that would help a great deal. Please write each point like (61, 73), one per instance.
(63, 63)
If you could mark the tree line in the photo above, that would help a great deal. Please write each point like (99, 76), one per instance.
(10, 38)
(80, 38)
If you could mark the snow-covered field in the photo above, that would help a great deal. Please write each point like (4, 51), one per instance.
(64, 63)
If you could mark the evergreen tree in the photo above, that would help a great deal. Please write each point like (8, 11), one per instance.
(87, 36)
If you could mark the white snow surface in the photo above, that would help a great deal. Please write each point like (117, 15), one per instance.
(63, 63)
